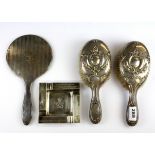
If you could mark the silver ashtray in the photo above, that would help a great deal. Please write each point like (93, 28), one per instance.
(59, 103)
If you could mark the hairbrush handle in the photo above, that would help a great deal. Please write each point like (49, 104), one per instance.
(95, 111)
(27, 104)
(132, 113)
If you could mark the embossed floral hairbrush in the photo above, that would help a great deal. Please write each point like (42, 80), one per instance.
(95, 67)
(133, 69)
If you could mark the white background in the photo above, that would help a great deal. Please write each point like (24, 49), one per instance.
(73, 11)
(66, 40)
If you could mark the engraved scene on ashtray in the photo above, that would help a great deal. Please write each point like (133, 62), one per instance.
(59, 103)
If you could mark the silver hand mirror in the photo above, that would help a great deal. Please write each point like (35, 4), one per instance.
(133, 65)
(29, 57)
(95, 66)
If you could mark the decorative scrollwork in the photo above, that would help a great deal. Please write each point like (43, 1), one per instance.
(134, 64)
(59, 103)
(95, 63)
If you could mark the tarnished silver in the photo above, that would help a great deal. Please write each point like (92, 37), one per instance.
(29, 57)
(59, 103)
(134, 64)
(95, 66)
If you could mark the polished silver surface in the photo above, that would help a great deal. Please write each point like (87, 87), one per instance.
(134, 65)
(95, 66)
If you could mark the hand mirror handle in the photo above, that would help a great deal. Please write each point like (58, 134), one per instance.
(27, 104)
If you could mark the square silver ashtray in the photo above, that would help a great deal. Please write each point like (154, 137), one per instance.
(59, 103)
